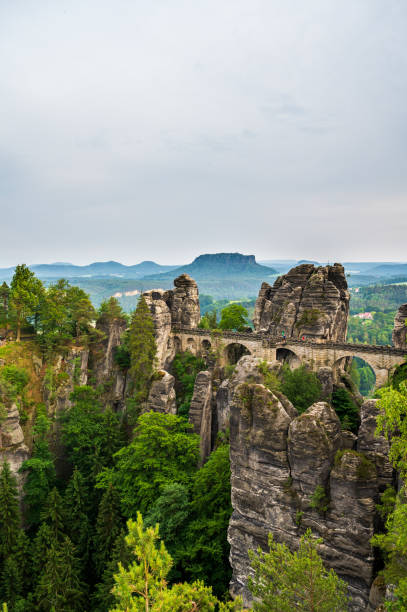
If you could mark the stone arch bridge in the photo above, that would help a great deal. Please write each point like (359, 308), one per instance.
(232, 345)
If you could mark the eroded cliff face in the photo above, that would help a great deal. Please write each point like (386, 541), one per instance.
(12, 446)
(400, 328)
(175, 307)
(278, 460)
(308, 300)
(200, 412)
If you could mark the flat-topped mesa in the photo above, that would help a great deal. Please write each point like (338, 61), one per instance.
(399, 335)
(308, 301)
(177, 307)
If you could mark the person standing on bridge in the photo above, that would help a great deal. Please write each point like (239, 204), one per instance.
(283, 337)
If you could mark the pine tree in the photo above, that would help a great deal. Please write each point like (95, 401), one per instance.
(284, 581)
(76, 511)
(40, 468)
(53, 515)
(4, 300)
(11, 581)
(103, 599)
(59, 588)
(108, 527)
(110, 310)
(142, 348)
(9, 512)
(25, 294)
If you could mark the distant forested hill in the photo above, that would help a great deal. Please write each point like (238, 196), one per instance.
(223, 266)
(382, 298)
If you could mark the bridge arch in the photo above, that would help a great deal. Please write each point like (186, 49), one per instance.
(206, 346)
(368, 373)
(234, 351)
(191, 345)
(287, 356)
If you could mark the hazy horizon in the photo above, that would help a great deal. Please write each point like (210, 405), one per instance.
(182, 263)
(161, 131)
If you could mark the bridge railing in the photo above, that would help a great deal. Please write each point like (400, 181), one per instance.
(277, 341)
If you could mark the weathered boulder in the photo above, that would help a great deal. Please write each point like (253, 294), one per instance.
(200, 412)
(376, 448)
(400, 328)
(326, 378)
(308, 300)
(12, 447)
(261, 497)
(349, 524)
(377, 595)
(313, 439)
(11, 433)
(223, 406)
(162, 394)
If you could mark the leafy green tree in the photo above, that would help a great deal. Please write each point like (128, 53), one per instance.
(234, 316)
(4, 300)
(65, 312)
(108, 528)
(392, 422)
(16, 376)
(81, 310)
(9, 512)
(186, 366)
(25, 295)
(207, 550)
(142, 348)
(40, 469)
(172, 511)
(284, 581)
(209, 320)
(143, 585)
(163, 450)
(301, 386)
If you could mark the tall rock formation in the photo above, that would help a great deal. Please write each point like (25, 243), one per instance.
(308, 300)
(103, 361)
(279, 460)
(400, 328)
(177, 307)
(200, 412)
(183, 302)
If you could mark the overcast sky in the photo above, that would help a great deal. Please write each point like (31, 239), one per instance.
(162, 129)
